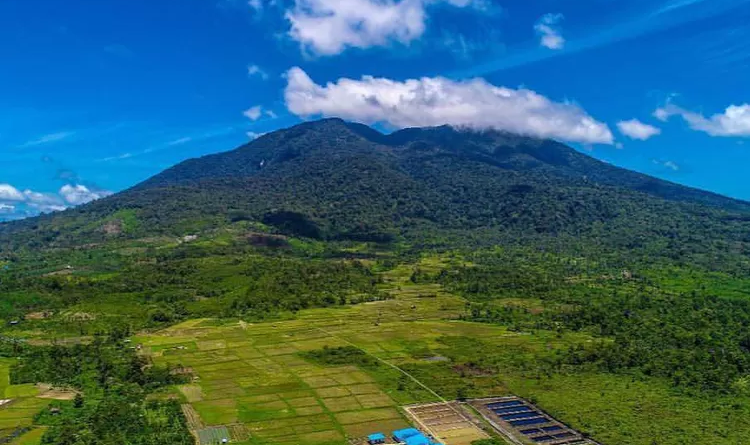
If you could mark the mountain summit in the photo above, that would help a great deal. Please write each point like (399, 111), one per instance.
(334, 180)
(335, 138)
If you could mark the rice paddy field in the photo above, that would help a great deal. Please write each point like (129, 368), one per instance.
(20, 403)
(255, 383)
(253, 379)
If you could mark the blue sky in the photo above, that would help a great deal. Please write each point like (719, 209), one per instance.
(96, 96)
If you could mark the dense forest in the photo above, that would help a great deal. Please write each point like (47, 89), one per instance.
(697, 339)
(113, 385)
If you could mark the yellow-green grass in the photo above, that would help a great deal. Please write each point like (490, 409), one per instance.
(20, 412)
(264, 382)
(622, 410)
(21, 391)
(32, 437)
(23, 405)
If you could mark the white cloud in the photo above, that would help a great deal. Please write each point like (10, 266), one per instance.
(733, 122)
(671, 165)
(548, 29)
(78, 194)
(253, 135)
(49, 138)
(15, 204)
(37, 197)
(119, 157)
(662, 114)
(44, 202)
(635, 129)
(180, 141)
(271, 114)
(253, 113)
(328, 27)
(10, 193)
(255, 70)
(427, 101)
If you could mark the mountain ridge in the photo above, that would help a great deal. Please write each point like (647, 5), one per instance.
(334, 180)
(536, 150)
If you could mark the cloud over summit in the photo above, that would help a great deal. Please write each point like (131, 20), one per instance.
(432, 101)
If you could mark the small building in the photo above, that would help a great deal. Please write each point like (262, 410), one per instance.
(418, 439)
(402, 435)
(377, 438)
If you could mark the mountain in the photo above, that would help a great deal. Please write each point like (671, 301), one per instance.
(333, 180)
(509, 152)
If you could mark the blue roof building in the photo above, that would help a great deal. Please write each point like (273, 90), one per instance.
(402, 435)
(418, 439)
(376, 438)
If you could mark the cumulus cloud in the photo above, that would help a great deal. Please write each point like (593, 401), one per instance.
(44, 202)
(77, 194)
(549, 31)
(733, 122)
(255, 70)
(328, 27)
(10, 193)
(16, 204)
(435, 101)
(635, 129)
(253, 113)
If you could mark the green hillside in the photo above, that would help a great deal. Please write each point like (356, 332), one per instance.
(483, 263)
(329, 180)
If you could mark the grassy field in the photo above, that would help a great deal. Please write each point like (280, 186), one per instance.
(254, 375)
(255, 380)
(18, 413)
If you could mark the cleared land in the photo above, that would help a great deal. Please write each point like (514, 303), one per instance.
(447, 423)
(254, 378)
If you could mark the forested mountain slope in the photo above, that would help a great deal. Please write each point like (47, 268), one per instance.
(332, 180)
(502, 150)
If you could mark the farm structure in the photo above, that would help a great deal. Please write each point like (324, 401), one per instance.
(523, 422)
(376, 439)
(446, 422)
(412, 436)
